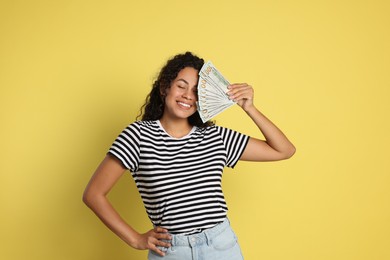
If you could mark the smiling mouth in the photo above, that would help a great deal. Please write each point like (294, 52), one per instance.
(184, 105)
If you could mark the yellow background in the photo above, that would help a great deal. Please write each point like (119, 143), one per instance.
(73, 74)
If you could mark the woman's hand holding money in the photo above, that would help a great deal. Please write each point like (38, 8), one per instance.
(242, 93)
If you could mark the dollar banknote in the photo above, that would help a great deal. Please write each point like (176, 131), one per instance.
(212, 92)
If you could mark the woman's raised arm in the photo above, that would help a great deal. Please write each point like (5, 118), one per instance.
(276, 145)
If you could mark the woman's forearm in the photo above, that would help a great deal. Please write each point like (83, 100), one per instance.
(274, 137)
(276, 146)
(101, 206)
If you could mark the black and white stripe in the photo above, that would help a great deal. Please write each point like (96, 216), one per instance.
(180, 179)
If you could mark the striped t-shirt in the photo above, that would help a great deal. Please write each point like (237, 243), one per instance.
(179, 179)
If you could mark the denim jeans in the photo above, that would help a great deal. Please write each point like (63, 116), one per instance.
(218, 242)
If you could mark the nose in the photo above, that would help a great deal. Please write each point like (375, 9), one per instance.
(189, 95)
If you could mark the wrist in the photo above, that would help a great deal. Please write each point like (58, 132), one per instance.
(250, 109)
(133, 239)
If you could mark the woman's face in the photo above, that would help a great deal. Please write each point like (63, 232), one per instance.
(181, 97)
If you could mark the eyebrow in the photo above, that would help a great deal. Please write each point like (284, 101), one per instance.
(185, 81)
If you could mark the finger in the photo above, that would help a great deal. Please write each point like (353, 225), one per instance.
(242, 98)
(160, 230)
(235, 85)
(236, 88)
(163, 244)
(240, 94)
(165, 236)
(158, 251)
(155, 245)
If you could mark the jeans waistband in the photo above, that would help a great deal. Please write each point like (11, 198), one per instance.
(200, 238)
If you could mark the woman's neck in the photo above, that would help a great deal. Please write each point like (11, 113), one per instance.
(176, 128)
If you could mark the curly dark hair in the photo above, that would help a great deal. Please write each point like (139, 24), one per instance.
(153, 108)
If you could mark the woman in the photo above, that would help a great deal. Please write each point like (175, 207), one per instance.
(177, 161)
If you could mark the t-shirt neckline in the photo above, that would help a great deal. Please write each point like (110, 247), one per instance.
(176, 138)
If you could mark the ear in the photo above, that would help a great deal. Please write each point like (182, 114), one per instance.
(164, 91)
(163, 94)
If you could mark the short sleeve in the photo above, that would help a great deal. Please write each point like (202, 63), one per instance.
(235, 144)
(126, 147)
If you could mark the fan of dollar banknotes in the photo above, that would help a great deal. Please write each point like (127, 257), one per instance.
(212, 88)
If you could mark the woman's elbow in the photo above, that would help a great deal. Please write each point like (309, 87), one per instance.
(289, 153)
(86, 198)
(89, 198)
